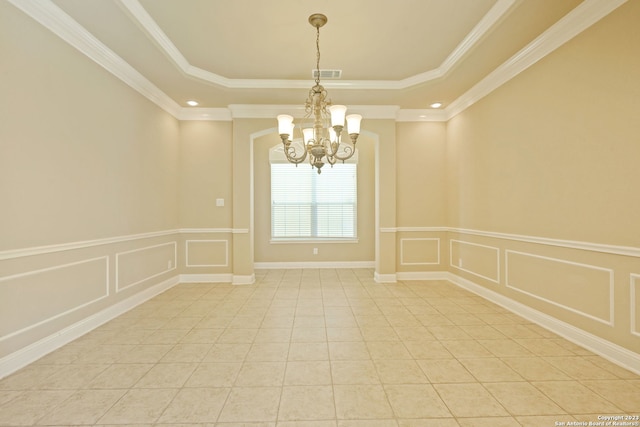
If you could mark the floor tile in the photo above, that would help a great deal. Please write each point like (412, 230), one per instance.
(268, 352)
(445, 371)
(621, 393)
(251, 404)
(83, 407)
(120, 376)
(308, 351)
(308, 373)
(195, 405)
(227, 353)
(166, 375)
(208, 375)
(139, 405)
(399, 372)
(353, 350)
(469, 400)
(521, 398)
(416, 401)
(72, 377)
(361, 402)
(354, 372)
(490, 369)
(254, 374)
(30, 406)
(306, 403)
(535, 369)
(388, 350)
(575, 398)
(344, 334)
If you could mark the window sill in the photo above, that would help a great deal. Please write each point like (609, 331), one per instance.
(330, 240)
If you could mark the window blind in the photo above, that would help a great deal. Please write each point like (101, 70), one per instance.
(305, 204)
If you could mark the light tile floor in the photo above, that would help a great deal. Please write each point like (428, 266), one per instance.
(318, 348)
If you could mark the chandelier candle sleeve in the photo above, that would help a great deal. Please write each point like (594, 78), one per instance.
(353, 124)
(337, 115)
(322, 124)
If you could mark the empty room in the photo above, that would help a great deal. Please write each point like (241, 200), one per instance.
(297, 213)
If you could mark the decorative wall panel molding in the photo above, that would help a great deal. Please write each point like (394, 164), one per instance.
(36, 297)
(480, 260)
(139, 265)
(419, 251)
(634, 296)
(559, 281)
(207, 253)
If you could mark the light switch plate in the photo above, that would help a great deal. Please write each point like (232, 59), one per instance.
(219, 202)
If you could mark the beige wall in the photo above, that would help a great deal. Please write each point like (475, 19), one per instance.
(554, 154)
(205, 174)
(88, 186)
(421, 196)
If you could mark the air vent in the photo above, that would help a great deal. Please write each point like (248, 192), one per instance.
(327, 74)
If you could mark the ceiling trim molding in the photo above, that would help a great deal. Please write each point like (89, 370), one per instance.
(57, 21)
(138, 12)
(265, 111)
(426, 115)
(579, 19)
(205, 114)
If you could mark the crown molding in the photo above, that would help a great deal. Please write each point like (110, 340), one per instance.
(57, 21)
(138, 12)
(204, 114)
(427, 115)
(579, 19)
(265, 111)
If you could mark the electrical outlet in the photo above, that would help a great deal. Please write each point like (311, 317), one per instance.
(315, 251)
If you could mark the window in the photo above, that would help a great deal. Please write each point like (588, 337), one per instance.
(308, 205)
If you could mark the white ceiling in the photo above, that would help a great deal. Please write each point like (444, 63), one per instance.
(404, 53)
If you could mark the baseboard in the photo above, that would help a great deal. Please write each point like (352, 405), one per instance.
(243, 280)
(234, 279)
(610, 351)
(312, 264)
(422, 275)
(385, 278)
(206, 278)
(21, 358)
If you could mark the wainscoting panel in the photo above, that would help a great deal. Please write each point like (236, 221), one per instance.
(480, 260)
(583, 289)
(419, 251)
(207, 253)
(33, 298)
(634, 300)
(139, 265)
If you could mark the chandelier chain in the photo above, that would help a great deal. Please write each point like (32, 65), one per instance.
(317, 55)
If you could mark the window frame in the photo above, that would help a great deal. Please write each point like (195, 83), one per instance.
(276, 156)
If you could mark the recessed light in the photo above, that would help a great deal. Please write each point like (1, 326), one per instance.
(192, 103)
(436, 105)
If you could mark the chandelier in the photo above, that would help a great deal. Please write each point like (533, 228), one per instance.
(322, 125)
